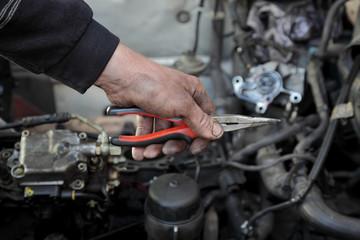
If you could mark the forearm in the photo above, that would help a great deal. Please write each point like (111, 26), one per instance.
(55, 37)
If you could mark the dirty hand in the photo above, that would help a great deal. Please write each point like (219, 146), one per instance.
(130, 79)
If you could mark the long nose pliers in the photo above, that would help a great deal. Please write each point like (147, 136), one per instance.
(229, 122)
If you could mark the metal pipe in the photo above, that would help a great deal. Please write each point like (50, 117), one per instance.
(274, 177)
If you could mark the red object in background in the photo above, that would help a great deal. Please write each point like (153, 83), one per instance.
(22, 108)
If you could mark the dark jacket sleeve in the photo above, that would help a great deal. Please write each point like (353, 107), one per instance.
(55, 37)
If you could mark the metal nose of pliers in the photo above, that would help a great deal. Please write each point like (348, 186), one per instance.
(233, 122)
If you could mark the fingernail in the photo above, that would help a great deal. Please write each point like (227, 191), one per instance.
(217, 130)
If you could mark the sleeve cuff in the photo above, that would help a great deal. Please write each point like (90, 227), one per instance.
(82, 66)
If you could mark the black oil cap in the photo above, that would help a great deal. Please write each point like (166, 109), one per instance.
(174, 197)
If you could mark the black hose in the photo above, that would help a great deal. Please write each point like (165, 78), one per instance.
(102, 184)
(328, 27)
(38, 120)
(212, 196)
(235, 213)
(283, 134)
(315, 212)
(333, 124)
(11, 125)
(316, 81)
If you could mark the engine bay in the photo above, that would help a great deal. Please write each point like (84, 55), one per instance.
(297, 61)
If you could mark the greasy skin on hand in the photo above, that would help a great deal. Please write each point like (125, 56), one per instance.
(130, 79)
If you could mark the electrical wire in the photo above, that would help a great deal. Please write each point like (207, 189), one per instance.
(117, 230)
(281, 135)
(38, 120)
(324, 149)
(284, 158)
(246, 227)
(197, 27)
(102, 184)
(197, 170)
(216, 30)
(328, 26)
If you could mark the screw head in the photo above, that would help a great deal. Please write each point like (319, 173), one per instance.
(5, 154)
(18, 171)
(82, 167)
(174, 184)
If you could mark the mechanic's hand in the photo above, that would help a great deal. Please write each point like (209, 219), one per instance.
(130, 79)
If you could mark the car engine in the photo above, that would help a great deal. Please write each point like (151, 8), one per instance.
(297, 61)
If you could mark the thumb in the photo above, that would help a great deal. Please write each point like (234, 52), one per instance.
(202, 124)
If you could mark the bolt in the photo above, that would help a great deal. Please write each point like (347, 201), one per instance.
(183, 16)
(174, 183)
(62, 149)
(78, 184)
(17, 145)
(5, 154)
(18, 171)
(82, 167)
(25, 133)
(82, 136)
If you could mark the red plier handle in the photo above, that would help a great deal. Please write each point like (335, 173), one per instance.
(180, 132)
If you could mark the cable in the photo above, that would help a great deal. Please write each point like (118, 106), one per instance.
(246, 227)
(38, 120)
(284, 158)
(265, 43)
(279, 136)
(324, 149)
(120, 229)
(197, 171)
(328, 27)
(102, 184)
(197, 27)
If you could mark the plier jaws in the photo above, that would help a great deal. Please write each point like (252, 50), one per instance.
(233, 122)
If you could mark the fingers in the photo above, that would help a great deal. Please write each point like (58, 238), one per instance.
(198, 145)
(198, 108)
(144, 126)
(174, 147)
(154, 150)
(202, 124)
